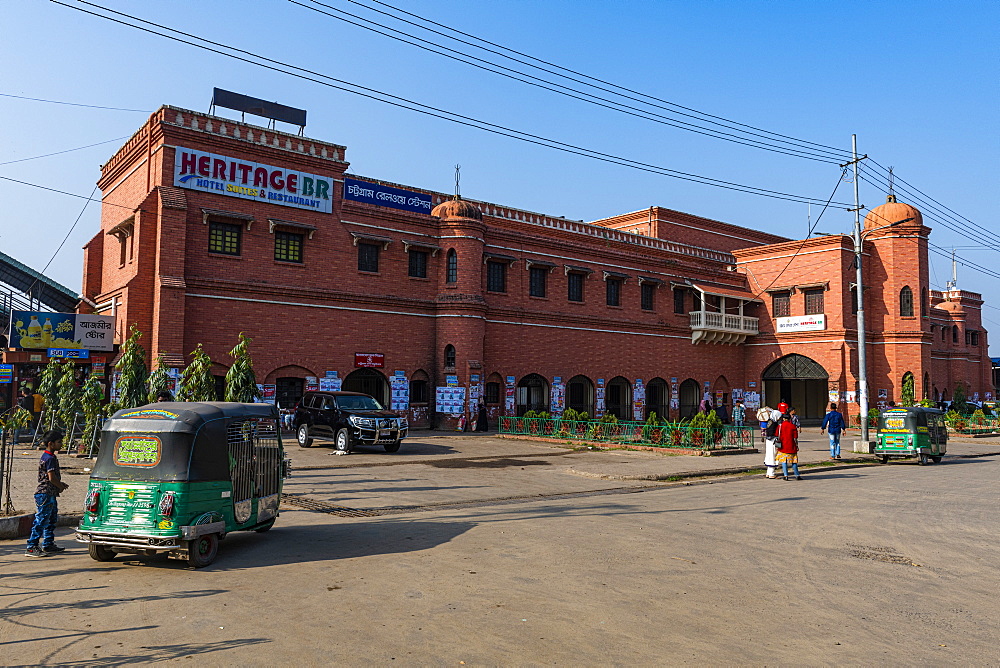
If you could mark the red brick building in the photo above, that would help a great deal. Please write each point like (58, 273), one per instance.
(212, 227)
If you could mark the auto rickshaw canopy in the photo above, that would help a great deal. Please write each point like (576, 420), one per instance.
(175, 441)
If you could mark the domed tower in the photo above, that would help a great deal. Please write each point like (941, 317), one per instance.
(461, 308)
(897, 296)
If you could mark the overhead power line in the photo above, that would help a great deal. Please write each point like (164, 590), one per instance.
(395, 100)
(74, 104)
(561, 89)
(69, 150)
(579, 77)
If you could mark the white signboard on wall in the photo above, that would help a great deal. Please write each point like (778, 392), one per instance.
(800, 323)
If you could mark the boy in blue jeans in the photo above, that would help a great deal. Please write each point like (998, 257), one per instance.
(50, 484)
(834, 426)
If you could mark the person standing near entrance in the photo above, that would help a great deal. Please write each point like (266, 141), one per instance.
(834, 426)
(50, 485)
(739, 413)
(788, 446)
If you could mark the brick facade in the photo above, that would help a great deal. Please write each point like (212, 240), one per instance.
(151, 265)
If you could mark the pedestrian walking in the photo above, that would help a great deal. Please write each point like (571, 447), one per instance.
(793, 414)
(50, 485)
(763, 417)
(739, 413)
(482, 420)
(164, 395)
(783, 407)
(788, 446)
(834, 425)
(770, 432)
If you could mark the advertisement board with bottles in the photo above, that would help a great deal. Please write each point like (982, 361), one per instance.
(42, 330)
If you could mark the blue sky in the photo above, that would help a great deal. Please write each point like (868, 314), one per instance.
(916, 81)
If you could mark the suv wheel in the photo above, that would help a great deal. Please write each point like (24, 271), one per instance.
(343, 441)
(394, 446)
(302, 436)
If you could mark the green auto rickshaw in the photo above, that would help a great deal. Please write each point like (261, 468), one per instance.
(177, 477)
(912, 432)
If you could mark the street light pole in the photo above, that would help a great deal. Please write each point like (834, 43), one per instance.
(862, 445)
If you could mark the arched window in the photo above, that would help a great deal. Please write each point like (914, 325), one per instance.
(449, 356)
(906, 302)
(452, 266)
(954, 334)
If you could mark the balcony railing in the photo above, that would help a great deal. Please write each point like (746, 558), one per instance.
(709, 327)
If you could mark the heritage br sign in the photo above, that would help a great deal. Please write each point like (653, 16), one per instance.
(219, 174)
(379, 195)
(800, 323)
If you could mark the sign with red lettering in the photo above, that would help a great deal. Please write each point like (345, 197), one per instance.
(223, 175)
(369, 359)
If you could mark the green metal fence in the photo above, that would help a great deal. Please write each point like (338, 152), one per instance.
(631, 433)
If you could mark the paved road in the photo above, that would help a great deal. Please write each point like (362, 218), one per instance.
(886, 565)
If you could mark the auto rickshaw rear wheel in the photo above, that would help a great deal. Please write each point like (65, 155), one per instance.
(394, 446)
(885, 459)
(936, 459)
(343, 441)
(922, 459)
(101, 552)
(203, 550)
(302, 436)
(265, 527)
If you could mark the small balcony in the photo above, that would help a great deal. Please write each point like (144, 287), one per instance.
(722, 328)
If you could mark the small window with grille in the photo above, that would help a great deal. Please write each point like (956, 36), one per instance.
(574, 283)
(646, 292)
(614, 291)
(496, 276)
(679, 301)
(492, 393)
(418, 263)
(537, 277)
(368, 257)
(814, 301)
(288, 246)
(224, 238)
(781, 304)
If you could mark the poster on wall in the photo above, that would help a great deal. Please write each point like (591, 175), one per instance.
(737, 395)
(558, 399)
(509, 398)
(400, 388)
(751, 400)
(638, 399)
(312, 384)
(834, 396)
(883, 394)
(851, 396)
(450, 400)
(599, 400)
(269, 394)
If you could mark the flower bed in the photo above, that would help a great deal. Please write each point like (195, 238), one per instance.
(669, 435)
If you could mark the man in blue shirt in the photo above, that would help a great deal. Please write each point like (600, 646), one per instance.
(50, 484)
(834, 425)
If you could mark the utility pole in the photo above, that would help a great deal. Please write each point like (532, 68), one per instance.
(863, 444)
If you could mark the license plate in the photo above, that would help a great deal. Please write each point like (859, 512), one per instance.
(384, 432)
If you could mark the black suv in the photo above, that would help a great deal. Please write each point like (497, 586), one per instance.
(349, 418)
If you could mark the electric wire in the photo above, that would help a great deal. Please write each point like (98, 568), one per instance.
(74, 104)
(560, 88)
(63, 192)
(62, 243)
(69, 150)
(671, 106)
(411, 105)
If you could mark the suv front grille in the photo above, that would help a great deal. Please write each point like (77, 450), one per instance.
(387, 423)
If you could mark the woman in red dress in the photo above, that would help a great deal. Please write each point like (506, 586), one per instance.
(788, 447)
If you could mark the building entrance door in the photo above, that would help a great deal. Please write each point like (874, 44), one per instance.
(619, 401)
(799, 381)
(690, 398)
(368, 381)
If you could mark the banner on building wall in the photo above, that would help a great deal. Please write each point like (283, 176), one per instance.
(599, 399)
(269, 394)
(6, 373)
(400, 387)
(638, 400)
(751, 400)
(312, 384)
(44, 330)
(450, 400)
(380, 195)
(222, 175)
(509, 398)
(800, 323)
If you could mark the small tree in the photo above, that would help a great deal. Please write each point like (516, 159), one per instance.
(907, 398)
(91, 397)
(158, 380)
(241, 382)
(132, 372)
(48, 387)
(68, 398)
(197, 383)
(958, 399)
